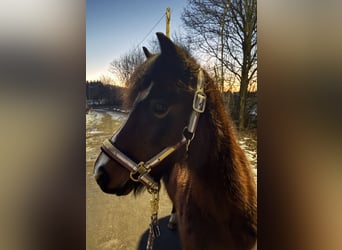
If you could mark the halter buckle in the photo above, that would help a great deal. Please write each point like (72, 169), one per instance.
(199, 101)
(141, 170)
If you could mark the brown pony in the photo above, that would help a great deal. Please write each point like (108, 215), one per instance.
(210, 181)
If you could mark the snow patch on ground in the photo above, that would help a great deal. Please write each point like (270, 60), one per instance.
(93, 118)
(116, 116)
(248, 145)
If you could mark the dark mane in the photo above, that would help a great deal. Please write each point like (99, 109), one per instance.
(234, 167)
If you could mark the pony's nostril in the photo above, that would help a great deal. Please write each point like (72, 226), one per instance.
(101, 176)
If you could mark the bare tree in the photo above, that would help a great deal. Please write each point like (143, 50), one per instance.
(242, 47)
(205, 21)
(226, 30)
(123, 67)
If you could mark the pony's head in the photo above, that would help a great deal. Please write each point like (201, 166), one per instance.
(161, 96)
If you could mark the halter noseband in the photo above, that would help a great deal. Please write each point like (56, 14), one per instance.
(143, 168)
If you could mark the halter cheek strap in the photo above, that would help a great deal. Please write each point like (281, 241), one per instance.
(198, 107)
(143, 168)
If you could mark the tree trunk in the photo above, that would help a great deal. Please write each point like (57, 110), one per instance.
(243, 99)
(246, 63)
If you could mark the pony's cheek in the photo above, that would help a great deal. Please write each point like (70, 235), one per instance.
(118, 176)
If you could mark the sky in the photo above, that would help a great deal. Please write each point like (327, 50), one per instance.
(113, 27)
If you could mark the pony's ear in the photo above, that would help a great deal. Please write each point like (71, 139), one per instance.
(147, 53)
(167, 47)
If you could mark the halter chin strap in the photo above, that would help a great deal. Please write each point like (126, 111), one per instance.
(143, 168)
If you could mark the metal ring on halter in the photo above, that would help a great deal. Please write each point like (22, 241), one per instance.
(141, 170)
(186, 134)
(132, 177)
(199, 101)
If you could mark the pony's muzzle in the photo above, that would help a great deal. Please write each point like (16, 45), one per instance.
(101, 177)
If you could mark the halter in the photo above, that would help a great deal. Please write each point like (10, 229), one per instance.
(144, 168)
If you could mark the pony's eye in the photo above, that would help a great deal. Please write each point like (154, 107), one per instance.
(160, 109)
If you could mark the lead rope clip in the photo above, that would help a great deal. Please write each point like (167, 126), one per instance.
(154, 231)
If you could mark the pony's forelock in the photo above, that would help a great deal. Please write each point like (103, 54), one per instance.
(182, 64)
